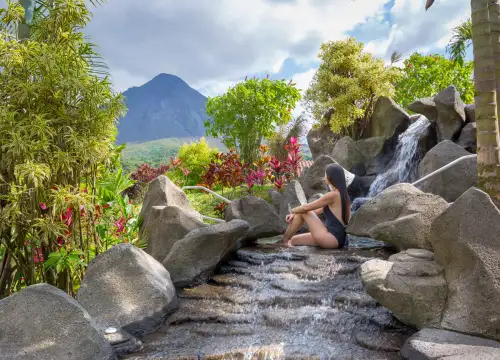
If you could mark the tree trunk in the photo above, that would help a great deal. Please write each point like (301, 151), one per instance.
(5, 275)
(486, 44)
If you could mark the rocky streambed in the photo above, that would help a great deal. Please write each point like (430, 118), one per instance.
(281, 303)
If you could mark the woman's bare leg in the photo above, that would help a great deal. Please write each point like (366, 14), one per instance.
(303, 240)
(319, 233)
(293, 227)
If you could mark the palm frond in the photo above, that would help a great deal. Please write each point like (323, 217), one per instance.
(428, 4)
(460, 42)
(396, 57)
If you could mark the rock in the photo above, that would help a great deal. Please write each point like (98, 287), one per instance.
(426, 107)
(263, 220)
(166, 225)
(388, 119)
(122, 342)
(400, 215)
(276, 199)
(347, 154)
(468, 138)
(360, 187)
(163, 192)
(321, 141)
(420, 254)
(451, 114)
(436, 344)
(415, 300)
(466, 243)
(453, 182)
(470, 113)
(194, 258)
(384, 341)
(370, 148)
(43, 322)
(313, 179)
(292, 196)
(126, 288)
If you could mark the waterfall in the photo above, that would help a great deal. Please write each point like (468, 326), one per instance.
(405, 165)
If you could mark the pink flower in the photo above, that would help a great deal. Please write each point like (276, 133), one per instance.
(186, 172)
(43, 206)
(260, 175)
(120, 226)
(293, 140)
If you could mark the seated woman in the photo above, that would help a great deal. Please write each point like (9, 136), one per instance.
(336, 205)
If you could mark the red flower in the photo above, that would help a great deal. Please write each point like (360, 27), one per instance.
(120, 226)
(43, 206)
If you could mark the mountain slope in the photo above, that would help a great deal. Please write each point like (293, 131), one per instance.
(165, 107)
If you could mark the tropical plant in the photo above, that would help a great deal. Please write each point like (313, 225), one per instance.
(195, 157)
(249, 112)
(485, 40)
(57, 129)
(426, 75)
(460, 42)
(282, 136)
(347, 85)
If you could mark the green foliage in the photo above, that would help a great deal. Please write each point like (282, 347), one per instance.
(195, 157)
(425, 76)
(460, 42)
(57, 129)
(249, 112)
(283, 134)
(349, 81)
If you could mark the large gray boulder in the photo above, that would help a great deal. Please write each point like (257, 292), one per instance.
(401, 215)
(321, 141)
(163, 192)
(292, 196)
(388, 119)
(412, 287)
(468, 138)
(426, 107)
(260, 215)
(347, 154)
(126, 288)
(451, 114)
(194, 258)
(466, 242)
(453, 182)
(470, 113)
(42, 322)
(370, 148)
(436, 344)
(166, 225)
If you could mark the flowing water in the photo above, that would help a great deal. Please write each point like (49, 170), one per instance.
(281, 303)
(405, 166)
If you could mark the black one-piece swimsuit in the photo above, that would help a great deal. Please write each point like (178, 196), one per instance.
(335, 227)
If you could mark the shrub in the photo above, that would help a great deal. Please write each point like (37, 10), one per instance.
(195, 158)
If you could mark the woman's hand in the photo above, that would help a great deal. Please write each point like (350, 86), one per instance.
(289, 218)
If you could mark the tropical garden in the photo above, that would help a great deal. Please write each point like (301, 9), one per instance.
(64, 195)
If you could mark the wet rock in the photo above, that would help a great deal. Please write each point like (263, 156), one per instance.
(355, 298)
(234, 280)
(388, 118)
(435, 344)
(470, 113)
(194, 258)
(370, 148)
(468, 138)
(453, 182)
(43, 322)
(122, 342)
(211, 330)
(293, 196)
(451, 114)
(166, 225)
(426, 107)
(415, 300)
(384, 341)
(163, 192)
(207, 291)
(347, 154)
(465, 241)
(126, 288)
(321, 141)
(401, 215)
(259, 214)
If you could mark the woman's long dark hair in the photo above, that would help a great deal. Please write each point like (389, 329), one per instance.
(336, 177)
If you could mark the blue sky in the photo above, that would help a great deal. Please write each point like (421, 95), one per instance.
(212, 44)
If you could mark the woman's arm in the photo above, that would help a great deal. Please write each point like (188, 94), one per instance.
(315, 205)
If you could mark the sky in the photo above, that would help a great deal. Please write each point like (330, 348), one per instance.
(212, 44)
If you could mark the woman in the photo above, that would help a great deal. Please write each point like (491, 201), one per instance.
(336, 206)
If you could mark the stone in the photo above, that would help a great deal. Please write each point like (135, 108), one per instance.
(275, 199)
(384, 341)
(400, 215)
(470, 113)
(194, 258)
(388, 118)
(347, 154)
(125, 287)
(321, 141)
(163, 192)
(122, 342)
(313, 179)
(437, 344)
(293, 196)
(468, 138)
(415, 300)
(43, 322)
(466, 243)
(166, 225)
(421, 254)
(263, 219)
(452, 182)
(451, 114)
(426, 107)
(370, 148)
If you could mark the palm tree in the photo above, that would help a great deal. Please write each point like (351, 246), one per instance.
(485, 23)
(460, 42)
